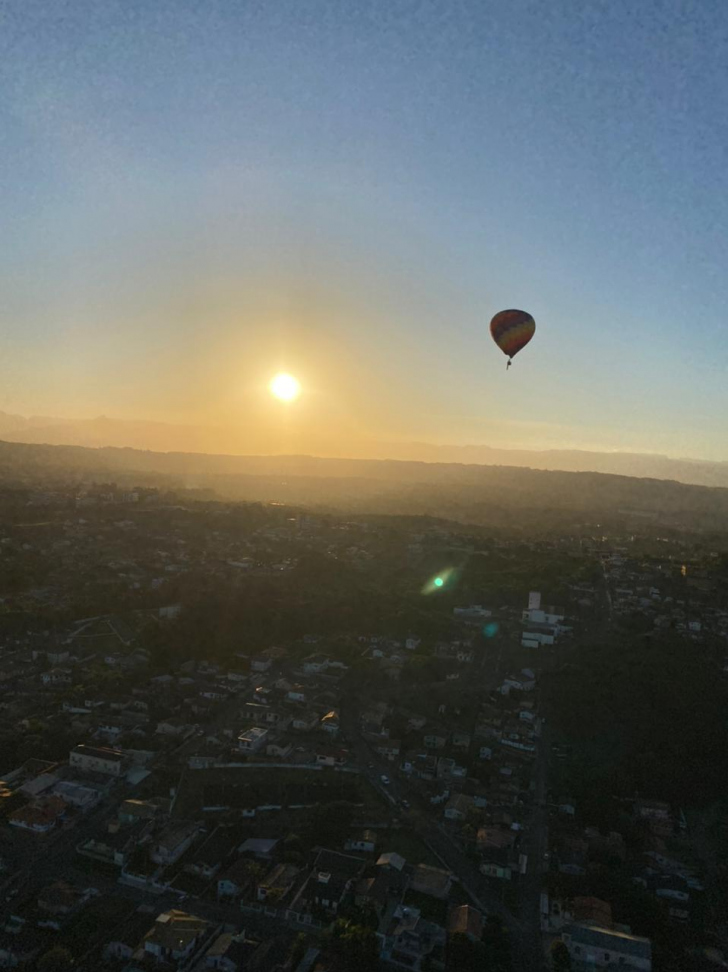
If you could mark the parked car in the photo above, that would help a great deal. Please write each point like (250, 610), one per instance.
(385, 780)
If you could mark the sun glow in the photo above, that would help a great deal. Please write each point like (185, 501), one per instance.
(285, 387)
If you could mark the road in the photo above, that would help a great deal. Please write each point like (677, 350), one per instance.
(525, 929)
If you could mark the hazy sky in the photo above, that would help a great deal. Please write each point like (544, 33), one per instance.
(194, 195)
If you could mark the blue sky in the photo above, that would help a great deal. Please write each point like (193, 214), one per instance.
(193, 195)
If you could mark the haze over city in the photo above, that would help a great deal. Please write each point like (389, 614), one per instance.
(198, 196)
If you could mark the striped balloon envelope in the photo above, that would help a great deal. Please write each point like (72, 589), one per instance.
(512, 330)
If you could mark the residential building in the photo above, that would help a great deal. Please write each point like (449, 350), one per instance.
(236, 880)
(410, 940)
(593, 947)
(277, 883)
(466, 920)
(365, 842)
(39, 817)
(92, 759)
(431, 880)
(174, 937)
(252, 740)
(315, 664)
(173, 842)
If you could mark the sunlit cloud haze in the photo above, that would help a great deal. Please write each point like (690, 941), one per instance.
(195, 197)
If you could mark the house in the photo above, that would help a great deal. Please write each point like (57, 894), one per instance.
(126, 937)
(331, 757)
(176, 728)
(365, 842)
(61, 898)
(409, 940)
(466, 920)
(391, 861)
(92, 759)
(592, 911)
(390, 748)
(472, 614)
(305, 720)
(494, 837)
(230, 952)
(56, 676)
(460, 739)
(75, 795)
(280, 748)
(550, 616)
(254, 712)
(173, 842)
(252, 740)
(333, 876)
(458, 807)
(496, 869)
(297, 693)
(275, 718)
(39, 817)
(260, 847)
(277, 883)
(236, 880)
(131, 811)
(209, 856)
(448, 769)
(117, 844)
(315, 664)
(435, 739)
(20, 945)
(431, 880)
(261, 663)
(330, 723)
(605, 847)
(593, 947)
(174, 937)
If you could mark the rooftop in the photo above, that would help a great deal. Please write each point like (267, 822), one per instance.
(605, 938)
(98, 752)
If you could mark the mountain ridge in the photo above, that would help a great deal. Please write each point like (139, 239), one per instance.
(145, 435)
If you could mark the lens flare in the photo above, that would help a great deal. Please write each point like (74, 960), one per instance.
(442, 581)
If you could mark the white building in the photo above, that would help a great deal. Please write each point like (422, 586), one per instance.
(174, 937)
(92, 759)
(252, 740)
(593, 947)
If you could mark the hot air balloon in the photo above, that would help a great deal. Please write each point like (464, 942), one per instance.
(512, 330)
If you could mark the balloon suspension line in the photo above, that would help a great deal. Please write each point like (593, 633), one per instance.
(510, 362)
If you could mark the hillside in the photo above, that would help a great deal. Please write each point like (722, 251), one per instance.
(534, 500)
(241, 442)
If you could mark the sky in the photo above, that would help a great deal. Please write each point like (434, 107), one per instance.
(195, 196)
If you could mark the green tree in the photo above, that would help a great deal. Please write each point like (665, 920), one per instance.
(354, 946)
(560, 958)
(57, 959)
(464, 955)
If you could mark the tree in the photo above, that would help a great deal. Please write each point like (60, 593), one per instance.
(354, 946)
(298, 950)
(463, 954)
(560, 958)
(497, 945)
(57, 959)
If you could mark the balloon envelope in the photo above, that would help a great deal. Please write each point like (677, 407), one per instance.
(512, 330)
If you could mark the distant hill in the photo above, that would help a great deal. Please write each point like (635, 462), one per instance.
(498, 496)
(166, 437)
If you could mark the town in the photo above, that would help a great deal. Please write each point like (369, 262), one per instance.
(257, 737)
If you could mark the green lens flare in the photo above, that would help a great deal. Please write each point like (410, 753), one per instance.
(439, 582)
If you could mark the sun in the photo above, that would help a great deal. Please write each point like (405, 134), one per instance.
(285, 387)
